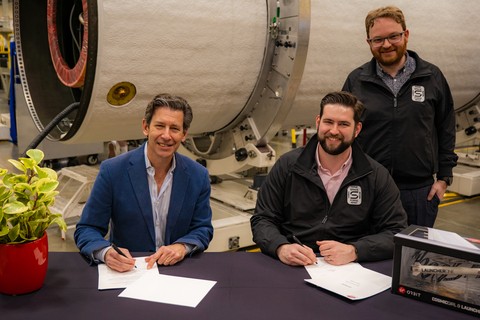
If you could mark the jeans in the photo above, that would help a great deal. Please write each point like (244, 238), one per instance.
(419, 210)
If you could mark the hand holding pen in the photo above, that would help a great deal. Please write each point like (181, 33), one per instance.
(125, 263)
(307, 247)
(296, 254)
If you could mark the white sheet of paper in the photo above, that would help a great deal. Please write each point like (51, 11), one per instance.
(351, 280)
(110, 279)
(322, 268)
(168, 289)
(449, 237)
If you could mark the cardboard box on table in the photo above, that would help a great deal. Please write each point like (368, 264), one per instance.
(437, 267)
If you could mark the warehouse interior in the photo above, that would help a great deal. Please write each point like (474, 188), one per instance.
(78, 145)
(259, 124)
(76, 77)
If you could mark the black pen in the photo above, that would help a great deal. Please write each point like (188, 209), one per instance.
(119, 251)
(300, 243)
(297, 241)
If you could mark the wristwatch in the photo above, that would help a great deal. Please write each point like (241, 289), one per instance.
(448, 180)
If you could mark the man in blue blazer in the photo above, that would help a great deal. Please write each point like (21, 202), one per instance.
(150, 199)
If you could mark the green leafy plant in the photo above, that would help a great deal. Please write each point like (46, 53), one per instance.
(25, 198)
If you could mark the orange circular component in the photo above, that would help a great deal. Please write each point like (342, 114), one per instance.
(71, 77)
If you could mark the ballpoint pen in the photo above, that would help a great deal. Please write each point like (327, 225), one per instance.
(298, 241)
(119, 251)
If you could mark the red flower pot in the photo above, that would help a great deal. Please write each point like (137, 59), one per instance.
(23, 266)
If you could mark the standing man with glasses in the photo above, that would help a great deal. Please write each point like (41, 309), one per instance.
(409, 120)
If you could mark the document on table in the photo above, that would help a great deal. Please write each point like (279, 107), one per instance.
(351, 280)
(168, 289)
(110, 279)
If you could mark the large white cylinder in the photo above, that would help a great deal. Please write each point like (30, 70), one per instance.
(212, 53)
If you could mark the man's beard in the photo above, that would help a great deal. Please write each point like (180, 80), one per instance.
(344, 144)
(400, 52)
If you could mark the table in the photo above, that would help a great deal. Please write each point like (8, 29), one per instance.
(249, 286)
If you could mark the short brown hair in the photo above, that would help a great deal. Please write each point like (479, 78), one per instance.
(384, 12)
(173, 102)
(345, 99)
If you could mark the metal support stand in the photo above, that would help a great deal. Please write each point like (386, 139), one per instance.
(75, 184)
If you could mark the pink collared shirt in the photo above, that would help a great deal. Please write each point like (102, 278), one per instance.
(333, 181)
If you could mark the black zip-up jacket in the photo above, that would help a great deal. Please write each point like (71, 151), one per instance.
(411, 134)
(366, 212)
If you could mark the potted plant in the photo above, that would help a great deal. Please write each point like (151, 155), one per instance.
(25, 198)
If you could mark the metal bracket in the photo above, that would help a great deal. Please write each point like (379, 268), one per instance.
(234, 242)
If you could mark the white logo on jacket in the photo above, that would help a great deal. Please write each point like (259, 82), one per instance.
(418, 93)
(354, 195)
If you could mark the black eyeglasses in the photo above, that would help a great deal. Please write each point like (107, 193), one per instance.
(393, 38)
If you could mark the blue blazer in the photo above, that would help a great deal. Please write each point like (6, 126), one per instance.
(120, 198)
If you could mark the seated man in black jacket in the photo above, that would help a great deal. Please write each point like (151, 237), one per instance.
(329, 197)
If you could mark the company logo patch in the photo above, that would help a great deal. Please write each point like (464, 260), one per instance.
(354, 195)
(418, 93)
